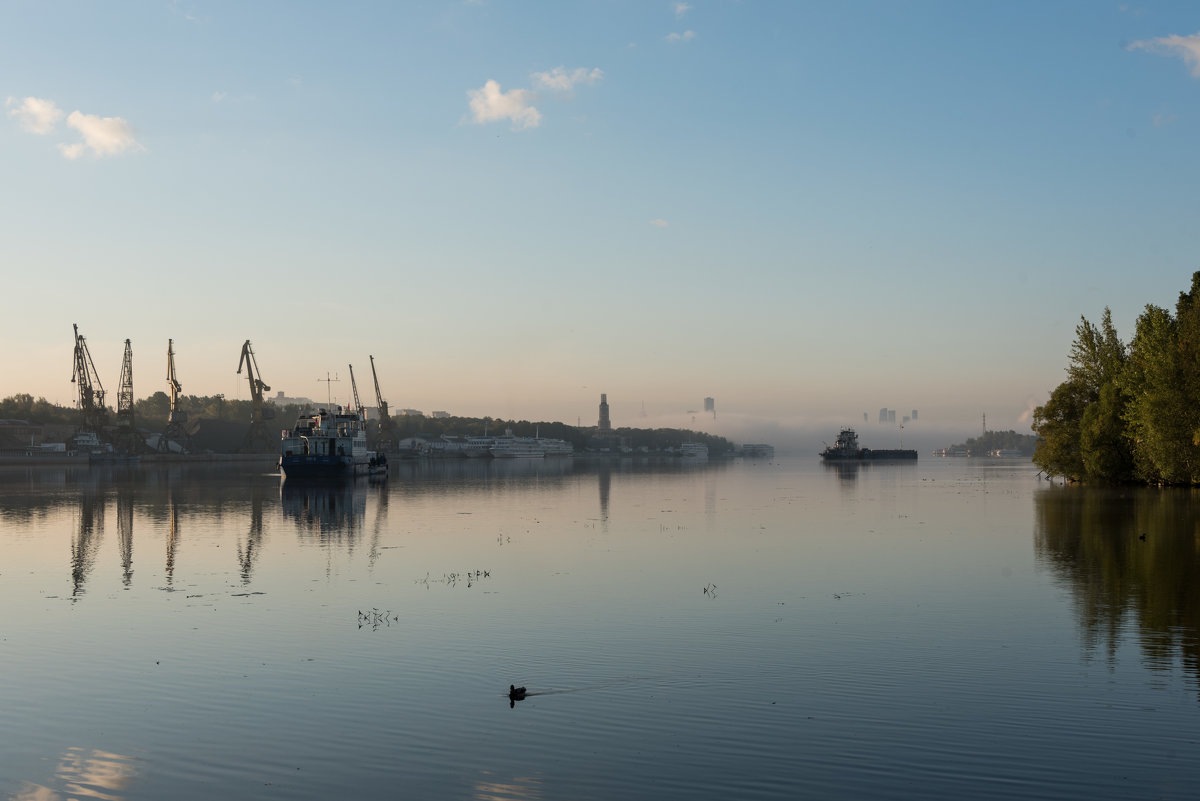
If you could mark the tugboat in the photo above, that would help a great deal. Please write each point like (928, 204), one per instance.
(329, 444)
(845, 449)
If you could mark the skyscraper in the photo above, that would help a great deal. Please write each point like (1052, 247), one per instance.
(604, 425)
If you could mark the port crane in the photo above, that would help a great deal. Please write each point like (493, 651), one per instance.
(387, 426)
(176, 418)
(256, 437)
(93, 415)
(126, 435)
(354, 389)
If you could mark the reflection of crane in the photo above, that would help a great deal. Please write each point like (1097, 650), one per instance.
(386, 425)
(358, 409)
(256, 438)
(176, 417)
(91, 395)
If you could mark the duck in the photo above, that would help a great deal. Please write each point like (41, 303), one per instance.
(516, 693)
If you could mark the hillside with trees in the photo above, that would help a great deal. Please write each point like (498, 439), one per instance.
(1128, 412)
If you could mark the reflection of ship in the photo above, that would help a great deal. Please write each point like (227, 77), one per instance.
(329, 444)
(327, 510)
(693, 450)
(845, 448)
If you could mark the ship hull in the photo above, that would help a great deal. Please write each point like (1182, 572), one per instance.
(867, 455)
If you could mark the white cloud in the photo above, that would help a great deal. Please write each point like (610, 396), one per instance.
(104, 136)
(1186, 47)
(686, 36)
(1163, 120)
(681, 9)
(217, 97)
(489, 104)
(35, 114)
(559, 80)
(659, 222)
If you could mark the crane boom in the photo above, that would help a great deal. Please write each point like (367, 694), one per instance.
(176, 418)
(387, 427)
(354, 389)
(256, 438)
(87, 380)
(383, 410)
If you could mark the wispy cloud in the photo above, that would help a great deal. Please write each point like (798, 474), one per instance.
(217, 97)
(35, 114)
(681, 9)
(686, 36)
(1186, 47)
(1163, 120)
(103, 136)
(490, 104)
(659, 222)
(560, 80)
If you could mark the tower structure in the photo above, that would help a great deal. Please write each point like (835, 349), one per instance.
(256, 437)
(126, 436)
(176, 418)
(604, 424)
(93, 415)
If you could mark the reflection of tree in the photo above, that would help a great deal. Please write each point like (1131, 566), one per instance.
(87, 540)
(1093, 538)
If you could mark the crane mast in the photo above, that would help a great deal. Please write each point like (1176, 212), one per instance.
(354, 389)
(256, 438)
(126, 435)
(93, 415)
(386, 424)
(176, 418)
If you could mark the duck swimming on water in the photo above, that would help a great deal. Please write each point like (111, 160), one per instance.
(516, 693)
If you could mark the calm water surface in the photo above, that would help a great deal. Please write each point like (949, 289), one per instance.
(950, 629)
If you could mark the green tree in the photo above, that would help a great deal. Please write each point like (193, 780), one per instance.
(1156, 416)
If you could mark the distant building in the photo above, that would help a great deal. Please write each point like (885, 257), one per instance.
(710, 405)
(282, 400)
(411, 413)
(439, 415)
(914, 414)
(891, 416)
(883, 415)
(864, 417)
(604, 424)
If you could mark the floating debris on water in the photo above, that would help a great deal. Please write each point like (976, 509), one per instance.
(470, 578)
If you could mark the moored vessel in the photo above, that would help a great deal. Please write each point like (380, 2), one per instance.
(329, 444)
(845, 448)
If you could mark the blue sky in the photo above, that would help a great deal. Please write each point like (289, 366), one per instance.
(807, 211)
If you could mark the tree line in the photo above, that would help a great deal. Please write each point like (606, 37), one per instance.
(1128, 412)
(150, 414)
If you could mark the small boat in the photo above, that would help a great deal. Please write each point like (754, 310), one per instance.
(328, 444)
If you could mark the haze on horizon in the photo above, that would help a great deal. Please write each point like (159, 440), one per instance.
(805, 212)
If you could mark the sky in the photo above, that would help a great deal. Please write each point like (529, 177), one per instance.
(807, 211)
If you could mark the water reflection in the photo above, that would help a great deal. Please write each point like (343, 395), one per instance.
(84, 773)
(1131, 559)
(86, 543)
(330, 513)
(248, 551)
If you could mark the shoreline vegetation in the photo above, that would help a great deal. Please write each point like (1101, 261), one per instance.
(1128, 413)
(219, 425)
